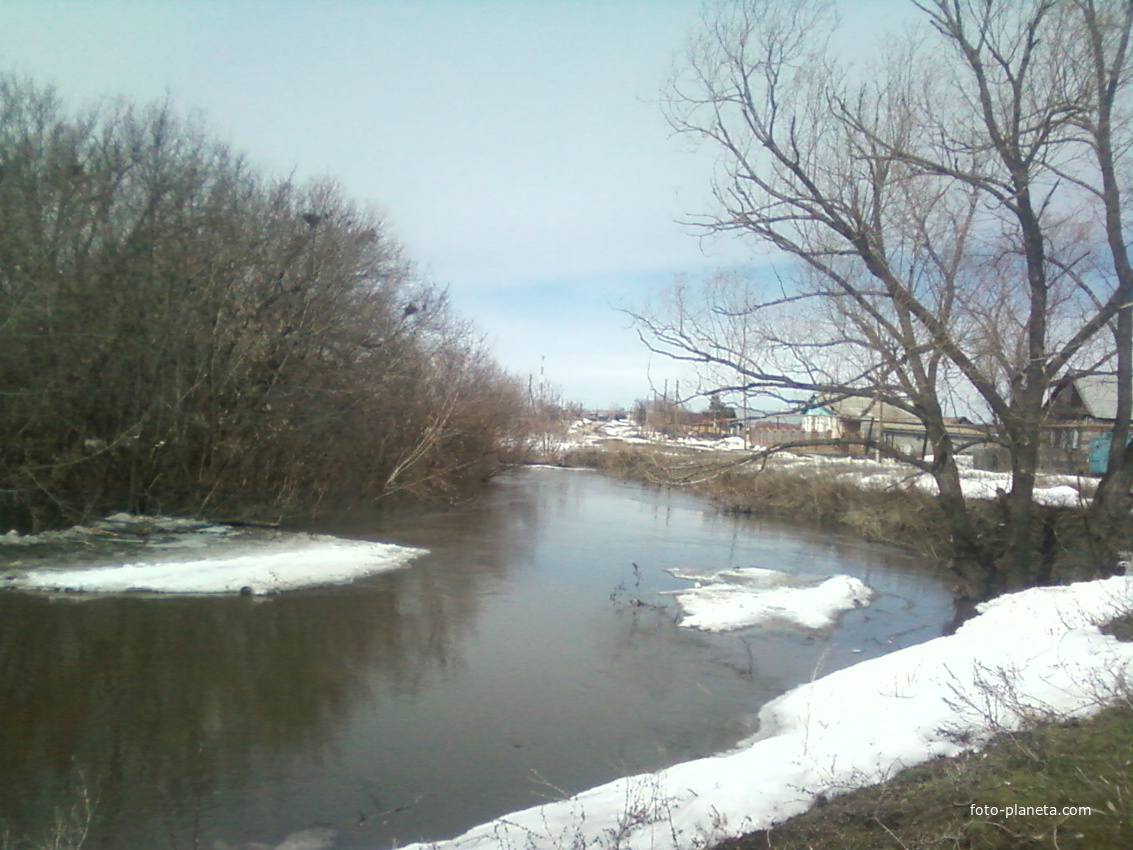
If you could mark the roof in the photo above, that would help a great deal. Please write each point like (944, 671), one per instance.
(857, 407)
(1097, 394)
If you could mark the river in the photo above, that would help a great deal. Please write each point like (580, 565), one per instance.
(507, 667)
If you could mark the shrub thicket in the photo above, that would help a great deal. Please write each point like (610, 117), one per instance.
(180, 332)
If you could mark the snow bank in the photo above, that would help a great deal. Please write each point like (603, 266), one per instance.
(187, 556)
(1051, 490)
(749, 596)
(1033, 654)
(588, 432)
(1061, 491)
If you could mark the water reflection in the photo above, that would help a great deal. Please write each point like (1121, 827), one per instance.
(162, 695)
(158, 705)
(416, 703)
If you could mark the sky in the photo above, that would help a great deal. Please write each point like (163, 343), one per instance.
(516, 147)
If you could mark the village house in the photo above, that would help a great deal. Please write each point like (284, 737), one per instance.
(1075, 435)
(848, 420)
(1079, 421)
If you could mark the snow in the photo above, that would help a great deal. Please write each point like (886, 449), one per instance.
(1037, 654)
(189, 556)
(1060, 496)
(749, 596)
(314, 838)
(325, 562)
(587, 432)
(1051, 490)
(559, 468)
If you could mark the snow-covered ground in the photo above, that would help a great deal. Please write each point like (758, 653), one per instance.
(171, 555)
(1036, 654)
(1051, 490)
(751, 596)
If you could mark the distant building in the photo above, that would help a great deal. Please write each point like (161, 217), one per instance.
(1075, 435)
(1079, 421)
(848, 420)
(772, 432)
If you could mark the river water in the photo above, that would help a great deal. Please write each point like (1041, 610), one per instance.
(507, 667)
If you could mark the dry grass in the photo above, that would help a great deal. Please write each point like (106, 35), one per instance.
(930, 807)
(900, 516)
(904, 517)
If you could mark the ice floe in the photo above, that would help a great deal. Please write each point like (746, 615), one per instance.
(125, 554)
(750, 596)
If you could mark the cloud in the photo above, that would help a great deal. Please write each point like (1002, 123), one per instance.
(512, 145)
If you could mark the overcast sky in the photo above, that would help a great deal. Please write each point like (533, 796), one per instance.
(516, 146)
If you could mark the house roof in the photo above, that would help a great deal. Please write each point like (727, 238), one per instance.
(857, 407)
(1097, 393)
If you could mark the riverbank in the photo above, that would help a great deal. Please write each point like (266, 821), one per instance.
(1057, 786)
(1028, 658)
(878, 501)
(1055, 780)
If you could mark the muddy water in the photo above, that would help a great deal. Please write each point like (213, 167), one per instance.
(505, 668)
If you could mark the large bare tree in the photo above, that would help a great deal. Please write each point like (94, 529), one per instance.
(945, 225)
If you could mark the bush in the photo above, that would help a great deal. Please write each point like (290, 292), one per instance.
(182, 333)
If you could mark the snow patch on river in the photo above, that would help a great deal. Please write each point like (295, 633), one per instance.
(126, 554)
(750, 596)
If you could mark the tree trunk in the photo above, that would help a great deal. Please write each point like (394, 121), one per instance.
(970, 560)
(1017, 567)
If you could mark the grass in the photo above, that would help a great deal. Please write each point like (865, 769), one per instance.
(69, 831)
(909, 518)
(930, 807)
(1121, 628)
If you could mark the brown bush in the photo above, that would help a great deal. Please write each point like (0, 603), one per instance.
(180, 333)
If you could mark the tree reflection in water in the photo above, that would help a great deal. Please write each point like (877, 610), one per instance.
(158, 705)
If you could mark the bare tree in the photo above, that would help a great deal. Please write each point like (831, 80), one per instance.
(936, 221)
(1105, 68)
